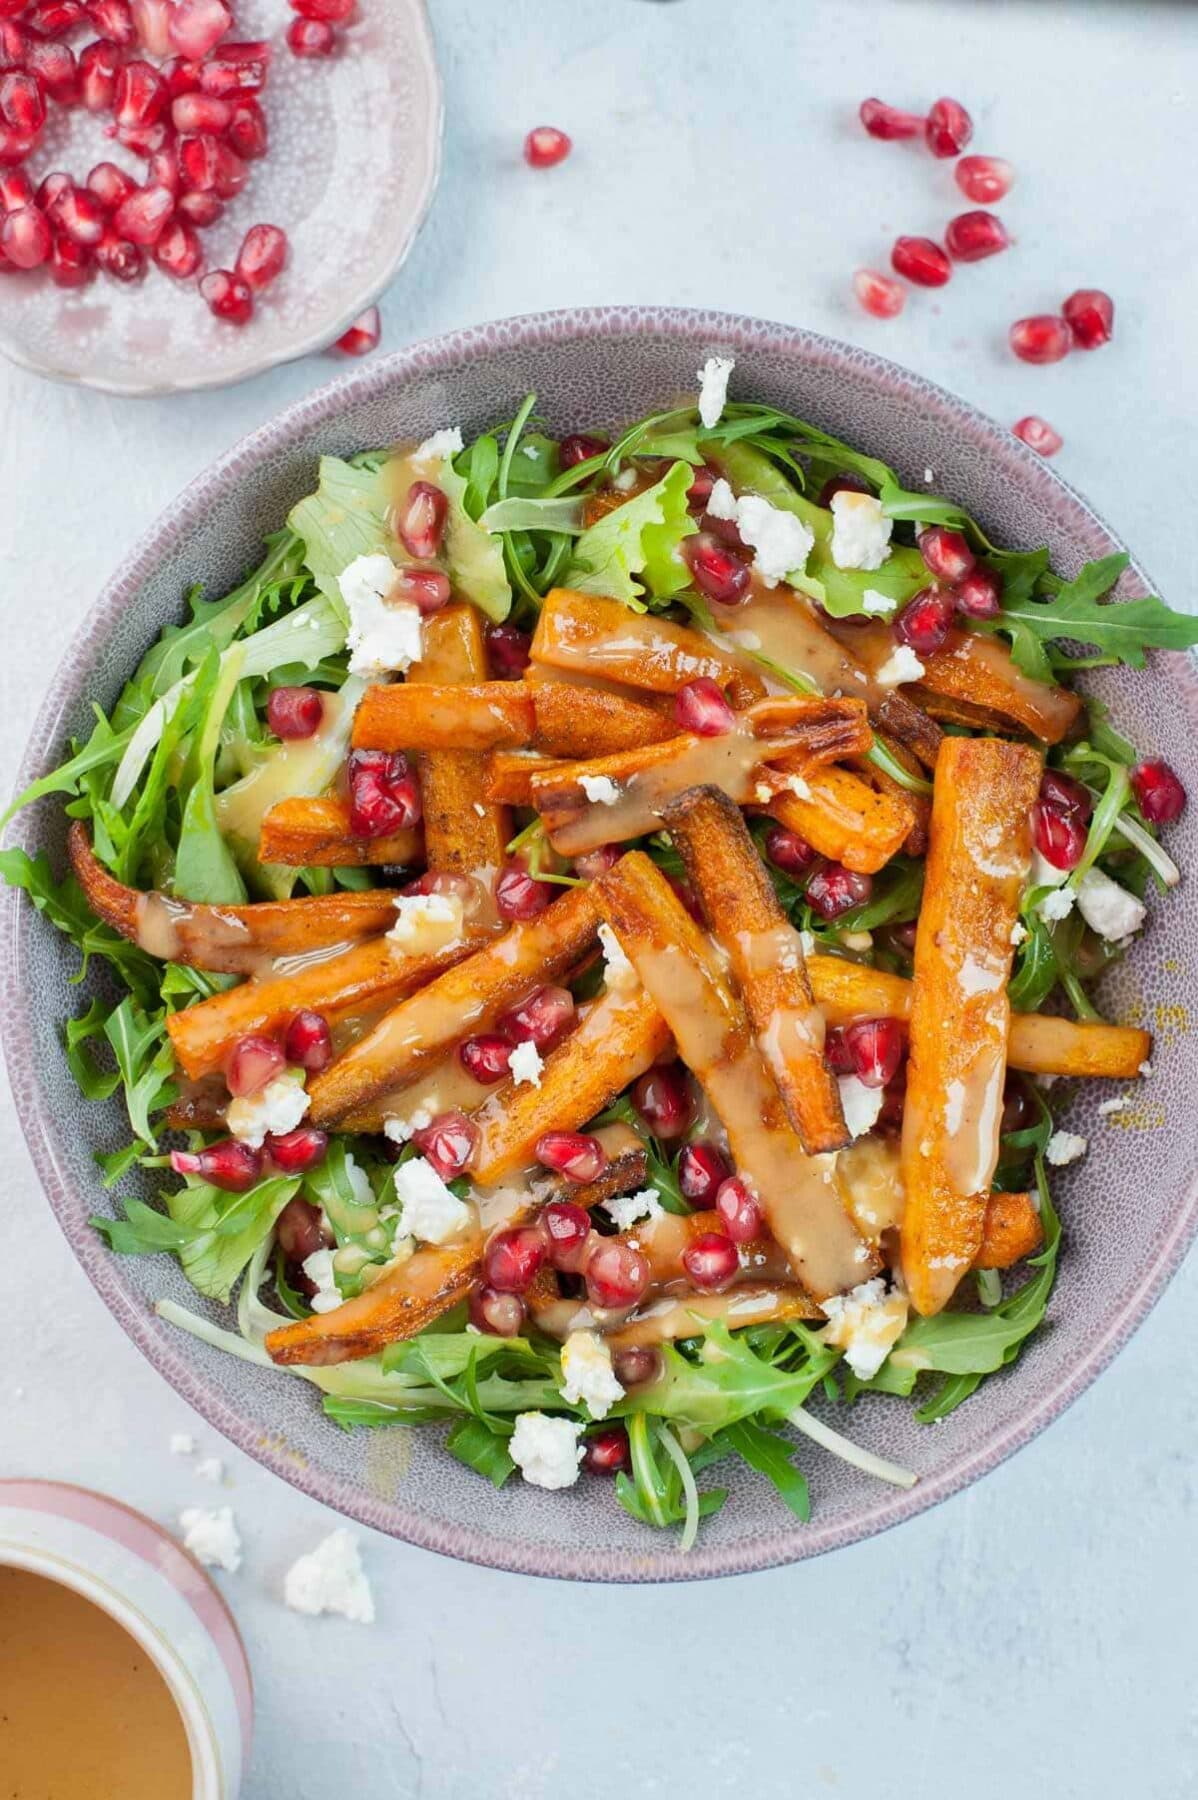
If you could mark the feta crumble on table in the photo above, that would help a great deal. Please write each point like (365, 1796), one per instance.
(877, 605)
(382, 635)
(1064, 1147)
(901, 665)
(713, 388)
(182, 1443)
(600, 790)
(426, 923)
(272, 1112)
(330, 1579)
(1107, 908)
(1057, 905)
(619, 976)
(212, 1537)
(587, 1375)
(1145, 1068)
(1107, 1107)
(210, 1468)
(865, 1323)
(627, 1210)
(400, 1130)
(546, 1451)
(780, 541)
(525, 1064)
(430, 1212)
(860, 531)
(319, 1269)
(861, 1105)
(441, 444)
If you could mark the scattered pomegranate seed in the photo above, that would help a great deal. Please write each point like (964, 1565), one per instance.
(946, 553)
(181, 76)
(421, 524)
(701, 707)
(229, 1165)
(518, 896)
(141, 95)
(711, 1260)
(580, 447)
(197, 26)
(143, 140)
(834, 890)
(152, 19)
(1060, 837)
(616, 1274)
(920, 260)
(882, 121)
(1043, 338)
(252, 1062)
(51, 191)
(311, 38)
(542, 1019)
(598, 862)
(972, 236)
(25, 237)
(508, 651)
(725, 530)
(948, 128)
(295, 1151)
(298, 1230)
(879, 294)
(979, 596)
(14, 145)
(1062, 794)
(294, 712)
(70, 264)
(16, 190)
(606, 1452)
(426, 589)
(486, 1057)
(984, 178)
(448, 1143)
(55, 18)
(924, 621)
(1159, 793)
(195, 112)
(363, 335)
(638, 1364)
(142, 217)
(876, 1047)
(163, 170)
(1090, 315)
(383, 793)
(718, 572)
(333, 12)
(109, 184)
(1019, 1110)
(702, 1171)
(200, 210)
(567, 1228)
(228, 297)
(79, 214)
(512, 1257)
(499, 1315)
(664, 1100)
(699, 491)
(546, 146)
(739, 1211)
(55, 67)
(837, 1054)
(308, 1042)
(1038, 434)
(789, 852)
(262, 257)
(112, 19)
(247, 130)
(119, 258)
(22, 104)
(574, 1154)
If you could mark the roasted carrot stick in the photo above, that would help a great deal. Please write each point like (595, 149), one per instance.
(510, 775)
(406, 715)
(766, 959)
(846, 818)
(919, 805)
(602, 637)
(660, 1320)
(465, 832)
(315, 833)
(677, 964)
(978, 859)
(663, 1239)
(871, 1174)
(586, 721)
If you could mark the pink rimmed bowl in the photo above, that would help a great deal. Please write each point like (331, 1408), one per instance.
(1130, 1208)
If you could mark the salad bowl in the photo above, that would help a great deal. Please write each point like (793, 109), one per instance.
(1130, 1208)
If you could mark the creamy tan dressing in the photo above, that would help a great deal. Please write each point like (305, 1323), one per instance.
(788, 633)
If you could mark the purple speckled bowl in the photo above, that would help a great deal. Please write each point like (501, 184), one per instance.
(1130, 1208)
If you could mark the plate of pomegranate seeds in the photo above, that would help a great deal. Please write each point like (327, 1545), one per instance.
(192, 191)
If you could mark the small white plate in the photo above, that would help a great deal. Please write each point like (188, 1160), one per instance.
(355, 147)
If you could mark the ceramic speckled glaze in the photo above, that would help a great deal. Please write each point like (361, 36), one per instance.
(1130, 1208)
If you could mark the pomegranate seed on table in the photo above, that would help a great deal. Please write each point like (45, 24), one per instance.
(200, 210)
(1038, 435)
(1159, 793)
(200, 112)
(499, 1315)
(426, 589)
(789, 852)
(178, 251)
(508, 651)
(78, 214)
(574, 1154)
(539, 1020)
(253, 1061)
(879, 294)
(837, 1054)
(924, 622)
(55, 18)
(921, 260)
(113, 20)
(421, 524)
(889, 122)
(979, 596)
(546, 146)
(308, 1042)
(984, 178)
(109, 184)
(298, 1229)
(143, 215)
(486, 1058)
(702, 707)
(295, 1151)
(236, 68)
(739, 1210)
(447, 1142)
(519, 896)
(162, 170)
(834, 890)
(333, 12)
(946, 553)
(295, 712)
(262, 257)
(383, 793)
(141, 95)
(25, 237)
(196, 26)
(948, 128)
(1059, 837)
(71, 264)
(311, 38)
(567, 1228)
(580, 447)
(711, 1261)
(876, 1048)
(143, 140)
(606, 1452)
(22, 103)
(119, 258)
(972, 236)
(702, 1171)
(16, 190)
(55, 67)
(616, 1275)
(247, 130)
(512, 1257)
(229, 1165)
(664, 1100)
(99, 65)
(1090, 315)
(637, 1365)
(363, 335)
(1062, 794)
(717, 572)
(1042, 338)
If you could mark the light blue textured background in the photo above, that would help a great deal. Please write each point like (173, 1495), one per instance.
(1035, 1635)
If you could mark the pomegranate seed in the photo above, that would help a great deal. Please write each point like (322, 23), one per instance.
(25, 237)
(702, 1171)
(924, 621)
(310, 38)
(247, 130)
(262, 256)
(578, 448)
(426, 589)
(946, 554)
(701, 707)
(141, 95)
(181, 76)
(333, 12)
(294, 712)
(1060, 837)
(1091, 317)
(948, 128)
(979, 596)
(738, 1208)
(499, 1315)
(363, 335)
(383, 794)
(14, 145)
(70, 263)
(112, 19)
(421, 524)
(1019, 1110)
(110, 185)
(789, 852)
(1062, 794)
(14, 43)
(252, 1062)
(179, 252)
(143, 215)
(567, 1228)
(699, 491)
(1044, 338)
(616, 1274)
(711, 1261)
(598, 862)
(56, 70)
(573, 1154)
(200, 210)
(1038, 435)
(879, 295)
(119, 258)
(79, 214)
(518, 896)
(228, 297)
(541, 1019)
(972, 236)
(725, 530)
(22, 104)
(637, 1365)
(308, 1043)
(834, 890)
(508, 651)
(837, 1054)
(237, 69)
(163, 171)
(920, 260)
(55, 18)
(486, 1057)
(298, 1230)
(16, 190)
(229, 173)
(664, 1100)
(295, 1151)
(717, 572)
(882, 121)
(197, 26)
(447, 1143)
(512, 1257)
(606, 1452)
(1159, 793)
(152, 21)
(200, 112)
(143, 140)
(984, 178)
(546, 146)
(229, 1165)
(876, 1048)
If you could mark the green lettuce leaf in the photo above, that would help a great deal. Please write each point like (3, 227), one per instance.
(639, 538)
(205, 868)
(475, 558)
(345, 518)
(225, 1229)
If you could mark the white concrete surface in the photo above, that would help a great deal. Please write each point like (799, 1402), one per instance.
(1035, 1635)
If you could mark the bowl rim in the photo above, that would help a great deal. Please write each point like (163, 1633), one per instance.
(710, 331)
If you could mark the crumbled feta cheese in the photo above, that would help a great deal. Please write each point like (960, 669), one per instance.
(878, 605)
(1042, 873)
(796, 785)
(1057, 905)
(182, 1443)
(625, 481)
(427, 922)
(860, 531)
(439, 446)
(212, 1537)
(400, 1130)
(330, 1579)
(1145, 1068)
(525, 1064)
(713, 388)
(618, 973)
(901, 665)
(210, 1468)
(1064, 1147)
(1118, 1105)
(857, 940)
(359, 1181)
(781, 542)
(587, 1375)
(600, 790)
(721, 502)
(383, 635)
(430, 1212)
(861, 1105)
(1018, 932)
(319, 1269)
(929, 477)
(626, 1210)
(1108, 908)
(546, 1451)
(763, 793)
(866, 1323)
(272, 1112)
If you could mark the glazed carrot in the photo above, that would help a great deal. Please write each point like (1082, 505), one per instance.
(465, 831)
(1012, 1230)
(315, 833)
(602, 637)
(486, 715)
(510, 775)
(846, 818)
(871, 1174)
(660, 1320)
(663, 1239)
(765, 955)
(978, 859)
(586, 721)
(678, 966)
(919, 805)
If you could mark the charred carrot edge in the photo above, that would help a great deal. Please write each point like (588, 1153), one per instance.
(484, 715)
(510, 775)
(766, 958)
(1012, 1230)
(982, 671)
(602, 637)
(585, 721)
(910, 726)
(918, 805)
(677, 964)
(466, 999)
(872, 1177)
(846, 819)
(978, 858)
(465, 831)
(315, 833)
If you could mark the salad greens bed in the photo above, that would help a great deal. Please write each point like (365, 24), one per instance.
(174, 781)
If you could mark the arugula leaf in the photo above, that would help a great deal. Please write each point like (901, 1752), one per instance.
(482, 1449)
(93, 1082)
(142, 1232)
(728, 1383)
(218, 621)
(205, 869)
(145, 1060)
(539, 514)
(1123, 630)
(639, 537)
(475, 558)
(103, 748)
(770, 1454)
(224, 1230)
